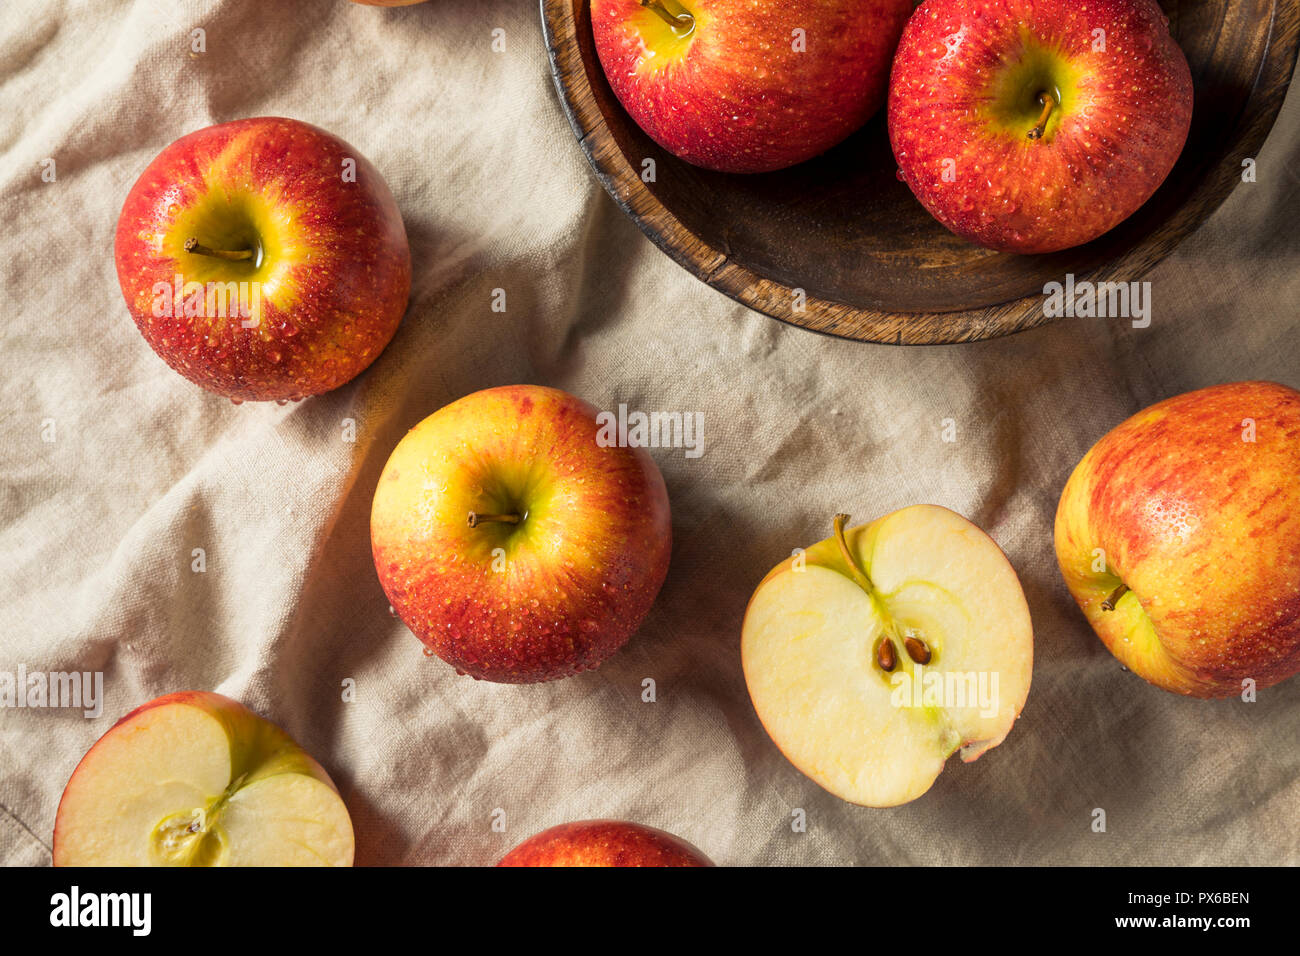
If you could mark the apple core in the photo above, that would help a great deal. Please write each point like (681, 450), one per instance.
(192, 837)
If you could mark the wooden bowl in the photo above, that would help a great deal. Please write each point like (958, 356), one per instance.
(872, 262)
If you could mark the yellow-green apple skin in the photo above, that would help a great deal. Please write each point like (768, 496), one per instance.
(749, 87)
(1194, 505)
(599, 843)
(197, 779)
(813, 635)
(327, 274)
(547, 597)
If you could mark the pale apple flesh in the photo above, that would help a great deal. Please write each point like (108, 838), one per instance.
(1185, 515)
(811, 652)
(196, 779)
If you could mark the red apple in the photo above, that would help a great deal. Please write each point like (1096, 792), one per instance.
(1179, 536)
(197, 779)
(604, 843)
(746, 87)
(1035, 125)
(263, 259)
(512, 542)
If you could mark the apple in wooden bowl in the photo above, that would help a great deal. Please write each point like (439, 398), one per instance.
(840, 244)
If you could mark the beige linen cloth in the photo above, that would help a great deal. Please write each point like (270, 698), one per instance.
(98, 526)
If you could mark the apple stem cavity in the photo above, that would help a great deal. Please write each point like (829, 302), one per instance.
(682, 23)
(1049, 104)
(476, 519)
(199, 249)
(1115, 595)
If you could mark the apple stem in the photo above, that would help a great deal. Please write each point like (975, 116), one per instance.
(1115, 595)
(199, 249)
(683, 22)
(476, 519)
(1049, 104)
(858, 574)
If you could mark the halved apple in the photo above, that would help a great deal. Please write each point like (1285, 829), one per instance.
(196, 779)
(873, 655)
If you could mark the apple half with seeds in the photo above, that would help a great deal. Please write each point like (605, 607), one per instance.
(197, 779)
(874, 655)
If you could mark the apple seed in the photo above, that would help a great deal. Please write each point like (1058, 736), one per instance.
(917, 649)
(885, 655)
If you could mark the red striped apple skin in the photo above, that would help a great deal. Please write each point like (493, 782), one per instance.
(550, 597)
(604, 843)
(735, 96)
(335, 275)
(1115, 136)
(1204, 527)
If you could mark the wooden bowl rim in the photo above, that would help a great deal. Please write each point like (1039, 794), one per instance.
(713, 267)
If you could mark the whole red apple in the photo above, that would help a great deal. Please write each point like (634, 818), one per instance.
(1035, 125)
(513, 542)
(604, 843)
(263, 259)
(1179, 536)
(746, 87)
